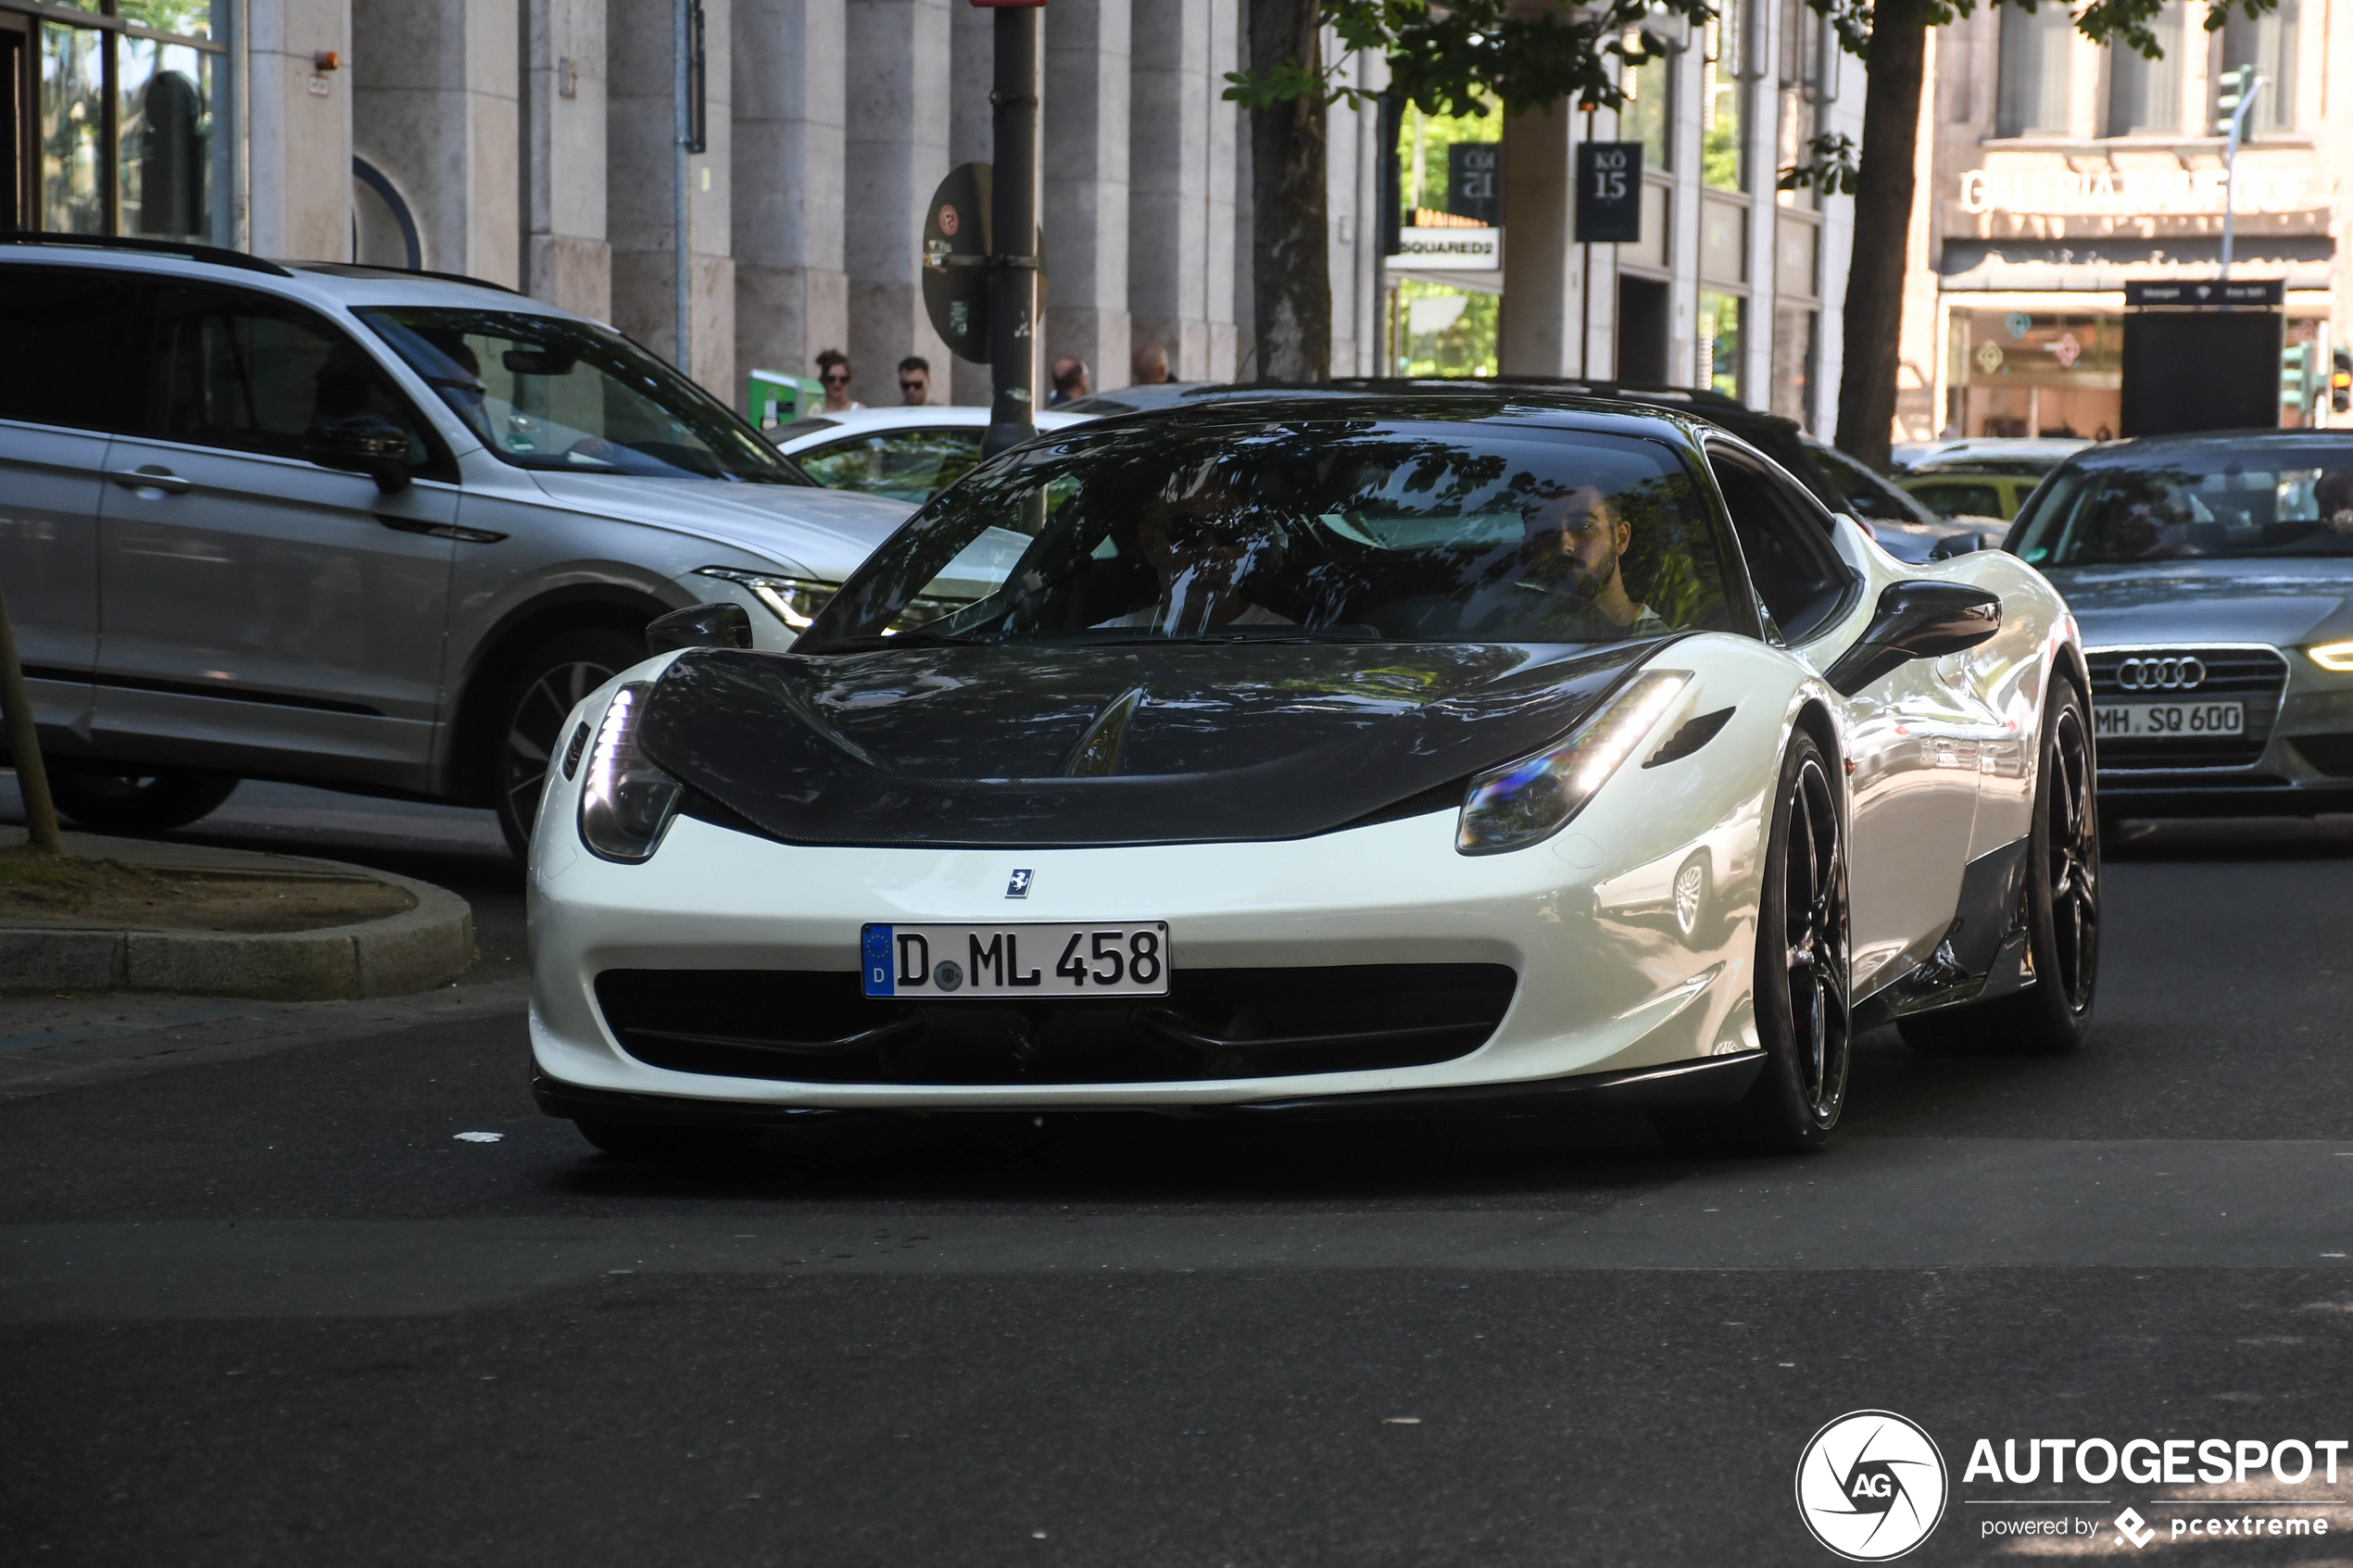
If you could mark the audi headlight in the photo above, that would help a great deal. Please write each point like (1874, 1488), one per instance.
(1522, 802)
(793, 600)
(625, 802)
(2334, 656)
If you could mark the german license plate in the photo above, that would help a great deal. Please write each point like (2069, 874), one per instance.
(2158, 721)
(1016, 962)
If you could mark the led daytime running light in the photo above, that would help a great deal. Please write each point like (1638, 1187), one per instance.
(1528, 800)
(2334, 656)
(625, 802)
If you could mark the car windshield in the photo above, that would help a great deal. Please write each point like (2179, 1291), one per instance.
(1356, 529)
(543, 392)
(2222, 504)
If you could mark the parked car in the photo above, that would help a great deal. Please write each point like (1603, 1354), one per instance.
(2212, 576)
(1989, 500)
(1331, 753)
(906, 454)
(2020, 455)
(372, 529)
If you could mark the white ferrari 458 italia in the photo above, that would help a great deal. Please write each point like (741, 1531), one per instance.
(1327, 753)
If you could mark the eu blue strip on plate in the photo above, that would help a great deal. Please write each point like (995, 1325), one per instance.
(877, 966)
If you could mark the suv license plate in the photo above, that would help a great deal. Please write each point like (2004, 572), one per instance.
(1016, 962)
(2167, 721)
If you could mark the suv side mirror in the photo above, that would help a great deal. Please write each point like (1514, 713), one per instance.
(699, 626)
(1964, 543)
(1917, 620)
(368, 443)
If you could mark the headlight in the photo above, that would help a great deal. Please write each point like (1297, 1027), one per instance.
(793, 600)
(626, 802)
(1533, 798)
(2334, 656)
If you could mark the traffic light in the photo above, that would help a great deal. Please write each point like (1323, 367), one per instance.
(2296, 377)
(2233, 83)
(2341, 381)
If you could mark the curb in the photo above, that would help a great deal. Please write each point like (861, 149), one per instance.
(415, 950)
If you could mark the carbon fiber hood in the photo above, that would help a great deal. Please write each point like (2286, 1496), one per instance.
(993, 745)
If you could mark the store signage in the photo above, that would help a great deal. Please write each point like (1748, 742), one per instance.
(1450, 250)
(2109, 192)
(2211, 293)
(1609, 193)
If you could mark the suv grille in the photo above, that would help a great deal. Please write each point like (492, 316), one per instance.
(816, 1027)
(2254, 676)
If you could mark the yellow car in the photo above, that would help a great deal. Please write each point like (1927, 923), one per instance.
(1996, 495)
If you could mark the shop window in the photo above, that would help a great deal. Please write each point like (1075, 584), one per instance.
(1793, 394)
(123, 121)
(2267, 42)
(1650, 111)
(1720, 322)
(1722, 148)
(2031, 98)
(2145, 94)
(1723, 241)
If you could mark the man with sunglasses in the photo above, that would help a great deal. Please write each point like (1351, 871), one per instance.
(914, 380)
(833, 374)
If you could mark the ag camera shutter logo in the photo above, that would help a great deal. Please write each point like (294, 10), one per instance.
(1871, 1485)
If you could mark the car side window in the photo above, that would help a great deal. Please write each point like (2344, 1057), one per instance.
(1783, 534)
(906, 465)
(65, 335)
(256, 374)
(1869, 495)
(1947, 499)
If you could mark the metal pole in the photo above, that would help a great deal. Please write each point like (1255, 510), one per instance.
(2230, 170)
(1585, 290)
(682, 28)
(24, 747)
(1015, 302)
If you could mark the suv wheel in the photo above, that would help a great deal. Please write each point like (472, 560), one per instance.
(540, 691)
(137, 799)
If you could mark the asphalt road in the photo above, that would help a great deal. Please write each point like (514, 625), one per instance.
(263, 1304)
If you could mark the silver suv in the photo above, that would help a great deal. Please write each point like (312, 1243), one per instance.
(372, 529)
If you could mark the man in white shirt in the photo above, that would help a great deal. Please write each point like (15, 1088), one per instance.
(1570, 549)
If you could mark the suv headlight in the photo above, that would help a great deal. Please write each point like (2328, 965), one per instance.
(793, 600)
(625, 802)
(1522, 802)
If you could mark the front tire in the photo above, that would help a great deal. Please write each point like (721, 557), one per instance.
(2050, 1017)
(138, 800)
(539, 693)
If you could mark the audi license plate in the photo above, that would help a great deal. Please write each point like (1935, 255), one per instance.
(2155, 721)
(1016, 962)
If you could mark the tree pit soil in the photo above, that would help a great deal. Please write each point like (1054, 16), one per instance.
(70, 892)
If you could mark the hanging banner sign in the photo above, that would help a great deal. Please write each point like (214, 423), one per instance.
(1609, 193)
(1450, 250)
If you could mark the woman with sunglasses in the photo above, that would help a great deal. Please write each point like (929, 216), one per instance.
(833, 373)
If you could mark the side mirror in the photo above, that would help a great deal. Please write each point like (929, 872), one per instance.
(1963, 543)
(699, 626)
(1917, 620)
(368, 443)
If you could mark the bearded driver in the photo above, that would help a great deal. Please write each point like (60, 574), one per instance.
(1569, 584)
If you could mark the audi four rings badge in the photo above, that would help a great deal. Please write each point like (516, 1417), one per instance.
(2167, 674)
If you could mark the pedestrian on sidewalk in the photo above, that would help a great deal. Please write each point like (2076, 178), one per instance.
(1148, 366)
(834, 374)
(914, 380)
(1070, 380)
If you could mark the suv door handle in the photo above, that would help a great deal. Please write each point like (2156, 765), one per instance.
(152, 476)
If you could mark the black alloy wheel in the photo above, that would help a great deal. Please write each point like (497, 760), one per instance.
(2062, 913)
(1803, 975)
(137, 801)
(539, 695)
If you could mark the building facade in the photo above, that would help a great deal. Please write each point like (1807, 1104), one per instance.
(2055, 171)
(534, 144)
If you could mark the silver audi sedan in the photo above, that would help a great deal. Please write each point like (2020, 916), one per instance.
(2212, 576)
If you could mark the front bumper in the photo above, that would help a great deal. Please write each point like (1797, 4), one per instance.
(2304, 766)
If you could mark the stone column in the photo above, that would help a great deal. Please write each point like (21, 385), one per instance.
(1542, 288)
(434, 109)
(298, 130)
(566, 260)
(1354, 244)
(895, 154)
(1180, 203)
(640, 129)
(792, 294)
(1084, 207)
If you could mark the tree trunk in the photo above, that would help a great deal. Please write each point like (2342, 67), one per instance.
(1882, 226)
(1290, 261)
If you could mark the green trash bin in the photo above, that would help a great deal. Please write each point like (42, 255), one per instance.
(772, 398)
